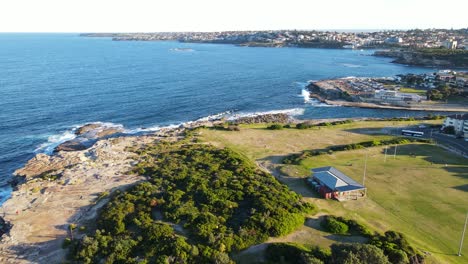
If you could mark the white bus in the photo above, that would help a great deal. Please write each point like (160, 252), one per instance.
(412, 133)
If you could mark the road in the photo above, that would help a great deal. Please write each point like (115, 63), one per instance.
(457, 144)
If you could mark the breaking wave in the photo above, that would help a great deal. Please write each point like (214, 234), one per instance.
(54, 140)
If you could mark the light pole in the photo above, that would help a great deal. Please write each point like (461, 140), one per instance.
(385, 157)
(394, 154)
(365, 169)
(463, 235)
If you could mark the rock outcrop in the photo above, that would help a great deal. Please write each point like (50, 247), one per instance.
(88, 134)
(267, 118)
(41, 210)
(43, 163)
(421, 58)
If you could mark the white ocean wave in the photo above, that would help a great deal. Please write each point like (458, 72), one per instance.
(290, 112)
(317, 103)
(305, 94)
(54, 140)
(350, 65)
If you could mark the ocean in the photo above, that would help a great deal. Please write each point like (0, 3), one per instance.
(53, 83)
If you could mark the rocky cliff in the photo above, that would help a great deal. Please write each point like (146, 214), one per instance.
(456, 59)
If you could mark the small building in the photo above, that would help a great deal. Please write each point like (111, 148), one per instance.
(393, 40)
(332, 183)
(459, 123)
(391, 96)
(450, 44)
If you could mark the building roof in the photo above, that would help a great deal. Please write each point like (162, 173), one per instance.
(335, 179)
(459, 116)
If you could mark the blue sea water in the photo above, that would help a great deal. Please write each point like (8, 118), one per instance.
(50, 83)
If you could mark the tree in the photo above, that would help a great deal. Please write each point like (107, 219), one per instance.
(449, 130)
(357, 254)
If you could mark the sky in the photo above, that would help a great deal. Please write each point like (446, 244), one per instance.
(221, 15)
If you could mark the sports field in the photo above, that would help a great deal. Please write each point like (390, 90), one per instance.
(422, 191)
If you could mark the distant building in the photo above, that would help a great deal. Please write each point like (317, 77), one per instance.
(332, 183)
(393, 40)
(390, 96)
(459, 122)
(450, 44)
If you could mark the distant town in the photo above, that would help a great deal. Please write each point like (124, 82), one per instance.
(429, 47)
(443, 90)
(428, 38)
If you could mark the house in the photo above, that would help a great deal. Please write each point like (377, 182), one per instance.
(332, 183)
(459, 123)
(390, 96)
(450, 44)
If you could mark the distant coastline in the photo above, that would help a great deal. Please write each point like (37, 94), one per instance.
(410, 47)
(341, 92)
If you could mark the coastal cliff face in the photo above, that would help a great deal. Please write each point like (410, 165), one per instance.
(52, 193)
(410, 57)
(61, 190)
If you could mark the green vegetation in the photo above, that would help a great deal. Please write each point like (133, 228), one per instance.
(394, 244)
(275, 127)
(50, 175)
(295, 253)
(306, 125)
(456, 57)
(449, 130)
(417, 192)
(226, 127)
(285, 253)
(412, 90)
(397, 248)
(332, 225)
(341, 225)
(357, 254)
(199, 204)
(442, 93)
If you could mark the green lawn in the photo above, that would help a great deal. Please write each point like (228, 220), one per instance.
(412, 90)
(422, 193)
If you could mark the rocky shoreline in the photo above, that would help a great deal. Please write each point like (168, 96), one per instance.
(53, 192)
(332, 96)
(416, 58)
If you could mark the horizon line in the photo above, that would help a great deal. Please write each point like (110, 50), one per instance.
(237, 30)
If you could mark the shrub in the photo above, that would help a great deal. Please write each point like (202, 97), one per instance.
(222, 200)
(449, 130)
(304, 125)
(333, 225)
(275, 127)
(295, 254)
(357, 253)
(66, 242)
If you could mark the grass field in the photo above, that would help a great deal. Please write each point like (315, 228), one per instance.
(412, 90)
(423, 192)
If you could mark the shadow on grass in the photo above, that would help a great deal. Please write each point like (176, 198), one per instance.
(348, 238)
(315, 223)
(297, 184)
(369, 131)
(461, 187)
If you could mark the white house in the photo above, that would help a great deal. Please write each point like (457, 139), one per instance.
(391, 96)
(450, 44)
(459, 122)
